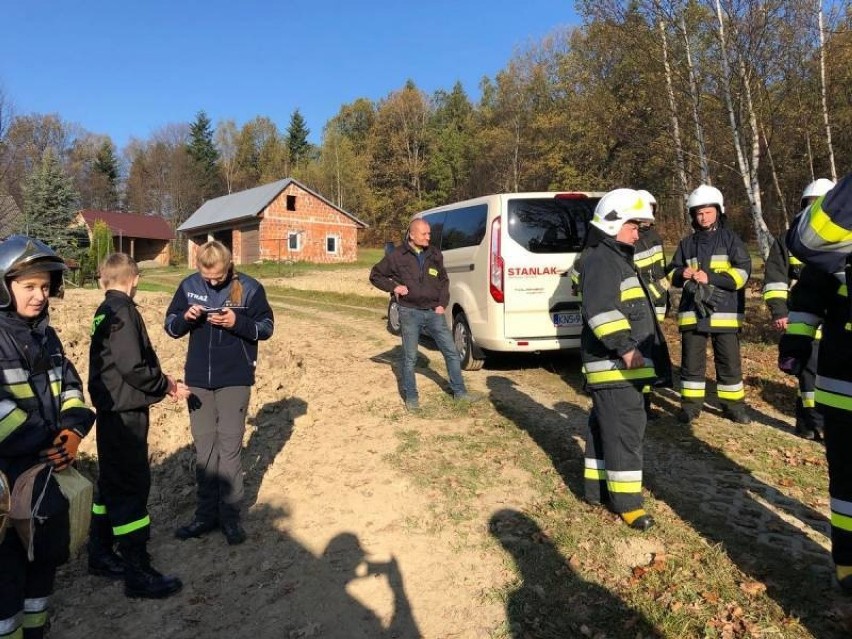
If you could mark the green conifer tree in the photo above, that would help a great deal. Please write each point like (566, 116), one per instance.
(205, 157)
(50, 204)
(297, 138)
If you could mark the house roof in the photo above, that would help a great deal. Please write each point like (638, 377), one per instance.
(149, 227)
(248, 204)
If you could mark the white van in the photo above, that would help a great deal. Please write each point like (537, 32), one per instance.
(508, 257)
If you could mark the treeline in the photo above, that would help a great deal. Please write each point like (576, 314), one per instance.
(753, 97)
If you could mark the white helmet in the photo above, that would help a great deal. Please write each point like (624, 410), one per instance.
(650, 199)
(620, 206)
(816, 189)
(706, 195)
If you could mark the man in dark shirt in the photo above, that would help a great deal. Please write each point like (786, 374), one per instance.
(415, 273)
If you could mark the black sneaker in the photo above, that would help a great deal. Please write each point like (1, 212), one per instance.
(234, 533)
(195, 528)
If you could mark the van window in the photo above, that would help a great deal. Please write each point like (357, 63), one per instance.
(550, 225)
(464, 227)
(436, 226)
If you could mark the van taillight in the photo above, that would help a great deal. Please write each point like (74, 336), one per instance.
(570, 196)
(495, 264)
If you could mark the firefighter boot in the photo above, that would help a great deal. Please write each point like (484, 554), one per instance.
(140, 577)
(103, 561)
(638, 519)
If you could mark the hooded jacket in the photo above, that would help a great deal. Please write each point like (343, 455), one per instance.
(618, 316)
(219, 357)
(723, 256)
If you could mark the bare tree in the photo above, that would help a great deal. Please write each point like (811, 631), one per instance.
(748, 165)
(824, 91)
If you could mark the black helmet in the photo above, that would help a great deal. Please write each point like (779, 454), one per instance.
(20, 254)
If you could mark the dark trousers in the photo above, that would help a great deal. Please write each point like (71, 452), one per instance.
(729, 374)
(120, 511)
(838, 444)
(614, 459)
(807, 417)
(25, 589)
(217, 419)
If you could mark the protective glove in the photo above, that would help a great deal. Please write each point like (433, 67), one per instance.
(64, 450)
(793, 353)
(790, 365)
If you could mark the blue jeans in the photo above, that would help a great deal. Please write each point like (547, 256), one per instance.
(412, 321)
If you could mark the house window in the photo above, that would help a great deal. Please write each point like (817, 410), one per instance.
(294, 241)
(332, 244)
(291, 202)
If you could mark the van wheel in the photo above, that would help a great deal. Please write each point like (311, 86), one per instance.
(393, 317)
(464, 344)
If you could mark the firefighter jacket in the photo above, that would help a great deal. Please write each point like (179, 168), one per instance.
(651, 265)
(782, 270)
(41, 393)
(124, 372)
(723, 256)
(617, 317)
(425, 276)
(220, 357)
(821, 235)
(821, 298)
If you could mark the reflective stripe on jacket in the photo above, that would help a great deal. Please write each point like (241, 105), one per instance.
(40, 392)
(617, 317)
(822, 299)
(723, 256)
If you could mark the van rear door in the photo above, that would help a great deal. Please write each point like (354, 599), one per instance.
(542, 238)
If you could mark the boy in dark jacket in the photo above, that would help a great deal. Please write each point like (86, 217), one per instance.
(124, 380)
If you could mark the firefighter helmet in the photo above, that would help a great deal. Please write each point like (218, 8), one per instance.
(816, 189)
(705, 195)
(20, 254)
(620, 206)
(650, 199)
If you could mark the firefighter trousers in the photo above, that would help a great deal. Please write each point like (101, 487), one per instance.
(25, 589)
(807, 417)
(613, 463)
(729, 373)
(120, 509)
(838, 444)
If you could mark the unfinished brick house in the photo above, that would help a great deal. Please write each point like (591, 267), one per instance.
(142, 237)
(284, 220)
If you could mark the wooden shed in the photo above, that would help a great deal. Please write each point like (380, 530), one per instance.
(143, 237)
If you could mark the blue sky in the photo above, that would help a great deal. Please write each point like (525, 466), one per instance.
(127, 69)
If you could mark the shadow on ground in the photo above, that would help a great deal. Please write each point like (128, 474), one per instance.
(723, 501)
(270, 586)
(552, 601)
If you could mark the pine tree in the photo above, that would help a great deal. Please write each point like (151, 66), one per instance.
(204, 156)
(297, 138)
(105, 176)
(50, 204)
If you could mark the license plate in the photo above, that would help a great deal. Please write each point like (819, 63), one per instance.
(567, 319)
